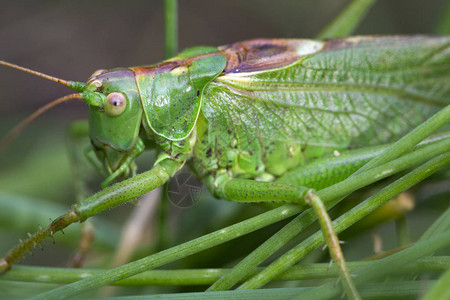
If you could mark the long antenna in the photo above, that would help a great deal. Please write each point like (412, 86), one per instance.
(21, 126)
(52, 78)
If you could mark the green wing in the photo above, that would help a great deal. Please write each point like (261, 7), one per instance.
(354, 92)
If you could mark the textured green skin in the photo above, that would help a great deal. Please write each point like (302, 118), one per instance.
(260, 124)
(329, 101)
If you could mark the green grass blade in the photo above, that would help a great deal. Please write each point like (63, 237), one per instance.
(347, 21)
(174, 253)
(346, 220)
(387, 290)
(443, 25)
(442, 224)
(383, 267)
(414, 137)
(441, 289)
(280, 238)
(236, 230)
(191, 277)
(171, 27)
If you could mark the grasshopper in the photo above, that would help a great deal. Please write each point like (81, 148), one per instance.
(250, 117)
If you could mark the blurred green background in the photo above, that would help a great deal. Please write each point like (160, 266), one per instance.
(72, 39)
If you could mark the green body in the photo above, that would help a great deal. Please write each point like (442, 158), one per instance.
(260, 108)
(249, 118)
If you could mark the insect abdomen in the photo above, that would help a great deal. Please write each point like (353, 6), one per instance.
(245, 154)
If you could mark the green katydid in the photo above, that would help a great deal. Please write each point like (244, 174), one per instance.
(247, 115)
(241, 157)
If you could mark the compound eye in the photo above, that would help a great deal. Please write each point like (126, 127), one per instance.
(115, 104)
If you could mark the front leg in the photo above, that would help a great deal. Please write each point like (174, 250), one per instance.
(251, 191)
(107, 198)
(127, 164)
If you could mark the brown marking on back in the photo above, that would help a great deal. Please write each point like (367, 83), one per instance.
(165, 66)
(169, 65)
(260, 54)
